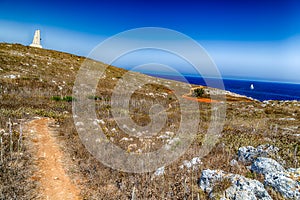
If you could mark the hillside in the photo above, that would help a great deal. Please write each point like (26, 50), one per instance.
(38, 83)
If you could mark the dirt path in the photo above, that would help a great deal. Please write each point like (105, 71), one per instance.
(203, 100)
(54, 182)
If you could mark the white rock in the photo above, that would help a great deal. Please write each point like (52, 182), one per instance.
(11, 76)
(287, 119)
(187, 164)
(266, 165)
(173, 141)
(170, 133)
(196, 161)
(113, 130)
(249, 153)
(283, 183)
(233, 162)
(286, 182)
(126, 139)
(241, 189)
(294, 171)
(192, 163)
(163, 137)
(100, 121)
(209, 178)
(160, 171)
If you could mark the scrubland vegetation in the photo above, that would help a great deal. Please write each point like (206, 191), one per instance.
(38, 82)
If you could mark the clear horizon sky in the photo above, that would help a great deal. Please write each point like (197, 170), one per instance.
(246, 39)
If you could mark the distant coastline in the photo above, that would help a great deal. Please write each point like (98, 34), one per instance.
(263, 90)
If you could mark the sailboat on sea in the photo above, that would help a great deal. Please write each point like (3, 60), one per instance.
(252, 87)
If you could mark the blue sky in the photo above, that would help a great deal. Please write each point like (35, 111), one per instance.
(246, 39)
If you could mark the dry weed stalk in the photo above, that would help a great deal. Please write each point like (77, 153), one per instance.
(10, 138)
(20, 139)
(133, 193)
(1, 149)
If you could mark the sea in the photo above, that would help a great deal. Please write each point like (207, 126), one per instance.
(261, 90)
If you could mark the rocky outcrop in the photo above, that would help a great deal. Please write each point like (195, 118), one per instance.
(286, 182)
(266, 165)
(249, 153)
(239, 188)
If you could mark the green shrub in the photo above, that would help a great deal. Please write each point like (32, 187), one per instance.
(198, 92)
(65, 98)
(68, 98)
(56, 98)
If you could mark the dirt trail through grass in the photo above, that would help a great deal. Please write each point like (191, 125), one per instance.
(54, 182)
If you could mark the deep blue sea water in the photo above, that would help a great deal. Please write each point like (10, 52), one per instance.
(262, 90)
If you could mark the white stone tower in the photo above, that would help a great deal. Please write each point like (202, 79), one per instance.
(36, 42)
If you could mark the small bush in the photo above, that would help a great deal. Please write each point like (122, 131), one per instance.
(65, 98)
(68, 98)
(198, 92)
(56, 98)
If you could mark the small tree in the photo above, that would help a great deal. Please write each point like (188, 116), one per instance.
(198, 92)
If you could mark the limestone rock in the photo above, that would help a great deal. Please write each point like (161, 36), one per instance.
(295, 172)
(241, 188)
(193, 163)
(249, 153)
(234, 162)
(209, 178)
(266, 165)
(160, 171)
(286, 182)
